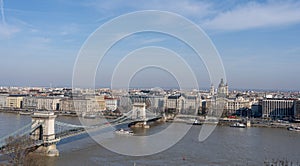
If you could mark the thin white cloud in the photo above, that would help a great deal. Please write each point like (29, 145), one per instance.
(256, 15)
(230, 16)
(2, 11)
(153, 40)
(7, 31)
(69, 29)
(189, 8)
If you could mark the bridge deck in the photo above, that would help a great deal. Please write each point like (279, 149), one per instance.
(74, 131)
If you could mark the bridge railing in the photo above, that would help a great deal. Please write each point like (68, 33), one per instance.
(22, 131)
(71, 128)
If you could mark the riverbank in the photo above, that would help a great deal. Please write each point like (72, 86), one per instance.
(229, 123)
(10, 111)
(261, 123)
(71, 114)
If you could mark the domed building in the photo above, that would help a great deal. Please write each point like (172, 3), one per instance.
(222, 89)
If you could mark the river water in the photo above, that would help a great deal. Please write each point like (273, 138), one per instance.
(225, 146)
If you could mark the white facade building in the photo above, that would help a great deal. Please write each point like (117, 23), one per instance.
(277, 108)
(232, 105)
(14, 101)
(3, 100)
(30, 103)
(48, 103)
(174, 103)
(111, 103)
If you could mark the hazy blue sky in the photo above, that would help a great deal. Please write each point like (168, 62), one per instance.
(258, 41)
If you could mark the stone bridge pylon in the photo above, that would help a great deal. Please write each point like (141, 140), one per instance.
(139, 111)
(43, 126)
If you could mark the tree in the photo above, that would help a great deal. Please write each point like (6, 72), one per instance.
(17, 148)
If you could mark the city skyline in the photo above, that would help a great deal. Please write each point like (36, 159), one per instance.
(258, 41)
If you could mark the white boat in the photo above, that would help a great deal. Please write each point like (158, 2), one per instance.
(124, 132)
(25, 113)
(90, 116)
(292, 128)
(238, 125)
(196, 122)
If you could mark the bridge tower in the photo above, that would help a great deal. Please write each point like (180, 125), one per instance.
(139, 114)
(139, 111)
(43, 124)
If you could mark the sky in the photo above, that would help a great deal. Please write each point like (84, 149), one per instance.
(258, 41)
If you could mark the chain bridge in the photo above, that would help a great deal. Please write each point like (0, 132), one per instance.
(44, 132)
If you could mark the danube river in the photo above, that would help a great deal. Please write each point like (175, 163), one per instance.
(225, 146)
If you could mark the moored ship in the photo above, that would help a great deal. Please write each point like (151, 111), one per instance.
(124, 132)
(238, 125)
(196, 122)
(293, 128)
(25, 113)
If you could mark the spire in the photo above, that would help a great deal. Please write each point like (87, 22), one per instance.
(212, 89)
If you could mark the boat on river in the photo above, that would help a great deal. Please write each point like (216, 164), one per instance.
(196, 122)
(25, 113)
(90, 116)
(124, 132)
(238, 125)
(293, 128)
